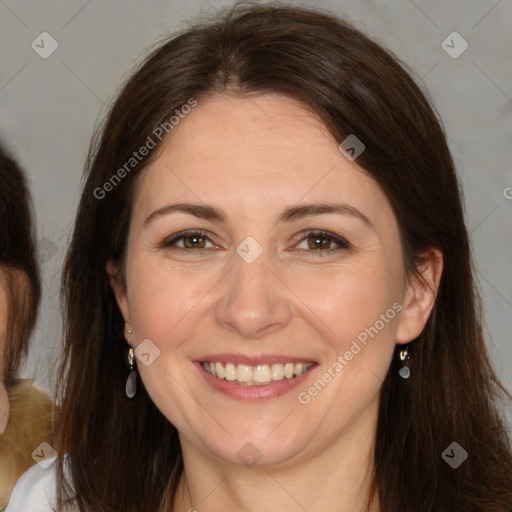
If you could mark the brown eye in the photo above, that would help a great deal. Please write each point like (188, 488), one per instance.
(188, 240)
(321, 242)
(194, 242)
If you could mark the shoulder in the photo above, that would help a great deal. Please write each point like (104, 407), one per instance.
(33, 413)
(25, 397)
(31, 420)
(36, 490)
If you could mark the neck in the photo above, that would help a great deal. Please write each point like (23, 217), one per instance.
(4, 407)
(335, 479)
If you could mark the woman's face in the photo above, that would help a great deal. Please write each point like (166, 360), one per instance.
(292, 255)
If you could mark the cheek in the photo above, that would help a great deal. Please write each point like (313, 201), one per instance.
(350, 301)
(162, 302)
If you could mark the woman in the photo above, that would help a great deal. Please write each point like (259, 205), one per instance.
(26, 413)
(269, 292)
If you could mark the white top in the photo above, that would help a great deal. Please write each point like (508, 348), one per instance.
(36, 490)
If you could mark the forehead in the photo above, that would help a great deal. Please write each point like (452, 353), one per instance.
(266, 148)
(255, 130)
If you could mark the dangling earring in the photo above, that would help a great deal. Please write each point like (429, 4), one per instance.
(405, 372)
(130, 387)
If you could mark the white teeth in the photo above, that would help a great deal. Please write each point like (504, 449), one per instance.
(259, 374)
(220, 370)
(288, 370)
(262, 373)
(243, 373)
(277, 371)
(230, 371)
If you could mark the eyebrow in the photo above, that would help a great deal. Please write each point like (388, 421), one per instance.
(208, 212)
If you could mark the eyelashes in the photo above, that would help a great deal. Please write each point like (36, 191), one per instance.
(317, 236)
(197, 240)
(186, 235)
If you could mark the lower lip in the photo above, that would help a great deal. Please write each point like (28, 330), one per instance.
(256, 392)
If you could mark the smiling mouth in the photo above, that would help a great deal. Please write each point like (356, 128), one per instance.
(258, 375)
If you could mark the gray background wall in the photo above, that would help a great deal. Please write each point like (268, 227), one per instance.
(48, 108)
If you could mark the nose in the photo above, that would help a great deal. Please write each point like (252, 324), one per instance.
(255, 302)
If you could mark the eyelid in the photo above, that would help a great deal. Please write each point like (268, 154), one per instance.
(176, 237)
(342, 243)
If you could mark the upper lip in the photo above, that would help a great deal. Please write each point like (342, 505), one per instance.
(254, 360)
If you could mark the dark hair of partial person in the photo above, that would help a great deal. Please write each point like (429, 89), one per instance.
(18, 263)
(125, 455)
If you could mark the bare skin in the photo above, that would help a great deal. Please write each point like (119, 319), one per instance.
(253, 158)
(4, 397)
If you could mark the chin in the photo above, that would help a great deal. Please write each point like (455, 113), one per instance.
(255, 444)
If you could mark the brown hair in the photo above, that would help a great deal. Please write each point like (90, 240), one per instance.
(18, 263)
(355, 87)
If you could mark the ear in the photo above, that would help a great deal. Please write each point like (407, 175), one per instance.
(119, 288)
(419, 297)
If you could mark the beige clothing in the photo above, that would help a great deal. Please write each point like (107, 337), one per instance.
(31, 422)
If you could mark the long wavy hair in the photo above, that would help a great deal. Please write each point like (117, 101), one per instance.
(125, 455)
(18, 263)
